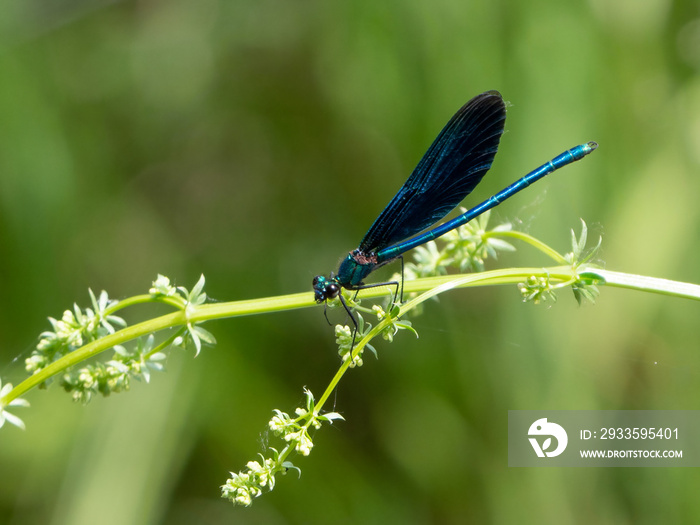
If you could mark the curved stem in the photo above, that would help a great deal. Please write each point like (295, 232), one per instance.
(143, 299)
(94, 348)
(532, 241)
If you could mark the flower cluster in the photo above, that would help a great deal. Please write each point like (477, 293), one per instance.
(465, 248)
(394, 325)
(78, 327)
(584, 290)
(540, 289)
(75, 328)
(242, 487)
(537, 290)
(296, 431)
(162, 287)
(115, 375)
(345, 338)
(189, 300)
(292, 432)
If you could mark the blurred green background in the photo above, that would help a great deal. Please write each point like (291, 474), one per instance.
(254, 142)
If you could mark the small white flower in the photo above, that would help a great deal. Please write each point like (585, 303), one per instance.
(304, 444)
(279, 422)
(243, 497)
(253, 466)
(381, 314)
(6, 416)
(293, 436)
(162, 286)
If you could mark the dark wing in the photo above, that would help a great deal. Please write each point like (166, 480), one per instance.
(452, 167)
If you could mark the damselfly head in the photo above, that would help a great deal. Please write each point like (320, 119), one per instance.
(325, 288)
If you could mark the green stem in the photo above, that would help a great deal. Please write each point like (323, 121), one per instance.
(642, 283)
(165, 344)
(431, 285)
(95, 347)
(532, 241)
(563, 275)
(435, 286)
(346, 364)
(143, 299)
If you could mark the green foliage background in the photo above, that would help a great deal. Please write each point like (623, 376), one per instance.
(254, 142)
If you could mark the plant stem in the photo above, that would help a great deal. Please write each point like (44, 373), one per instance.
(430, 285)
(532, 241)
(643, 283)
